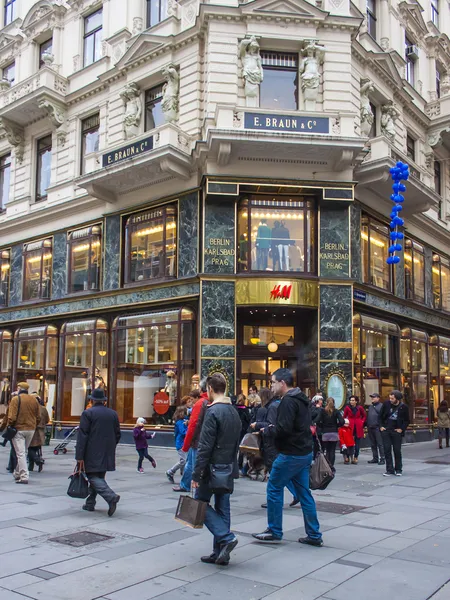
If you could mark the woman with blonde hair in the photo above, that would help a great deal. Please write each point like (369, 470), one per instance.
(330, 420)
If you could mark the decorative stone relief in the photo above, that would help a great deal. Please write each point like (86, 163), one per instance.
(336, 126)
(131, 96)
(48, 59)
(313, 57)
(15, 137)
(445, 85)
(171, 92)
(366, 88)
(385, 44)
(118, 51)
(433, 109)
(388, 116)
(172, 7)
(237, 119)
(76, 62)
(188, 14)
(435, 139)
(61, 136)
(252, 71)
(5, 84)
(56, 114)
(138, 25)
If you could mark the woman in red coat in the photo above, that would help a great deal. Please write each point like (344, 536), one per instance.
(357, 417)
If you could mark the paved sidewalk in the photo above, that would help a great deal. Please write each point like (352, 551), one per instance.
(384, 537)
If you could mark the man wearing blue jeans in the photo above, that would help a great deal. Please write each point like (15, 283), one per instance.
(293, 440)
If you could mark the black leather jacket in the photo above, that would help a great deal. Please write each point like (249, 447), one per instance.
(219, 439)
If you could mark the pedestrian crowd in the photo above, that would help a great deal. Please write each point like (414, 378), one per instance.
(272, 435)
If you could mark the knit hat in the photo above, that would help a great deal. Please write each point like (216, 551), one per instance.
(141, 421)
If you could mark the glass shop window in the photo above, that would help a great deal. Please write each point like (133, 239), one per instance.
(151, 245)
(441, 282)
(37, 263)
(277, 234)
(85, 258)
(414, 373)
(374, 252)
(414, 271)
(5, 268)
(439, 356)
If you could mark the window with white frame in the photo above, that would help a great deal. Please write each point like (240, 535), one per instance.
(10, 11)
(371, 12)
(9, 73)
(410, 58)
(93, 33)
(435, 12)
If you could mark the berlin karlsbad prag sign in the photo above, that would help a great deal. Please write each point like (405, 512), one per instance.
(291, 123)
(135, 149)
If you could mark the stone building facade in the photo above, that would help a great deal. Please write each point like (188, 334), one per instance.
(188, 187)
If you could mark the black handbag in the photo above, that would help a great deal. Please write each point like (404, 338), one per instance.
(221, 480)
(79, 485)
(10, 431)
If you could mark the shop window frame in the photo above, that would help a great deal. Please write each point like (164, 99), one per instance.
(131, 225)
(358, 368)
(32, 248)
(310, 253)
(86, 235)
(5, 266)
(6, 337)
(94, 330)
(413, 248)
(117, 326)
(413, 335)
(48, 331)
(439, 343)
(438, 262)
(370, 222)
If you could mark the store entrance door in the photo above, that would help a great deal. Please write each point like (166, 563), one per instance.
(259, 371)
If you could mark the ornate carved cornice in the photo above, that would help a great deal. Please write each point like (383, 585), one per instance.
(56, 113)
(15, 137)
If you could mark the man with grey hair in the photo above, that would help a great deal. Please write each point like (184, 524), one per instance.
(192, 438)
(24, 416)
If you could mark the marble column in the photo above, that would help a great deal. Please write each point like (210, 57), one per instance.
(111, 240)
(16, 276)
(219, 239)
(59, 266)
(335, 333)
(188, 236)
(218, 330)
(355, 238)
(334, 251)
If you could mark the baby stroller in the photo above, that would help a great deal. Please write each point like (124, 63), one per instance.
(251, 450)
(68, 437)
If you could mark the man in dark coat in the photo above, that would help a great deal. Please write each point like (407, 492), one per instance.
(98, 436)
(293, 440)
(218, 445)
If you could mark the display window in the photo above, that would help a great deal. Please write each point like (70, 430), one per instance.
(375, 357)
(151, 245)
(85, 347)
(277, 234)
(414, 271)
(441, 282)
(374, 252)
(37, 271)
(5, 269)
(439, 357)
(153, 353)
(414, 373)
(36, 362)
(6, 351)
(85, 258)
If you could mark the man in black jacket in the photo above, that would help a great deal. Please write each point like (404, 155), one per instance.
(98, 436)
(373, 429)
(394, 420)
(293, 440)
(218, 445)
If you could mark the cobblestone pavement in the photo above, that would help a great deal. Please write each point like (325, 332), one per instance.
(384, 537)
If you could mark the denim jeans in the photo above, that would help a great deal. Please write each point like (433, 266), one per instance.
(294, 469)
(185, 483)
(98, 485)
(217, 519)
(143, 453)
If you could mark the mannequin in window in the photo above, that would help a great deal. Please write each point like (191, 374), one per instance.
(275, 241)
(6, 391)
(263, 242)
(243, 250)
(283, 238)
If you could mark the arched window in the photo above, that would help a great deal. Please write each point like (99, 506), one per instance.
(85, 257)
(37, 261)
(85, 366)
(151, 245)
(36, 361)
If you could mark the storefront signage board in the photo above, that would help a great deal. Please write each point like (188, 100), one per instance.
(289, 123)
(359, 295)
(219, 252)
(284, 292)
(135, 149)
